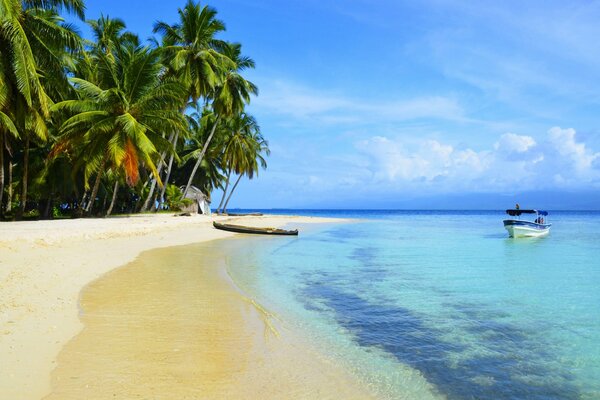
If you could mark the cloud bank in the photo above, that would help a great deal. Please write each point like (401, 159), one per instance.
(515, 162)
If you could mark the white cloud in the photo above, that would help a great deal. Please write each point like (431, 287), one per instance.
(431, 161)
(510, 142)
(580, 157)
(557, 161)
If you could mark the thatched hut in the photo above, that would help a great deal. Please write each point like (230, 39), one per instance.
(201, 202)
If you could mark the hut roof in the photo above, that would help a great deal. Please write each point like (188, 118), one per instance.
(196, 194)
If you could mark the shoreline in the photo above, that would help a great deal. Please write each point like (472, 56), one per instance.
(173, 324)
(44, 265)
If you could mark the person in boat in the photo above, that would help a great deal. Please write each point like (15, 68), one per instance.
(539, 220)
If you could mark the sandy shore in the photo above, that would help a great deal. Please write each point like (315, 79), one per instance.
(44, 266)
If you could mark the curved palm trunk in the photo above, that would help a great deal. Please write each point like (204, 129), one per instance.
(49, 204)
(230, 193)
(114, 198)
(153, 184)
(169, 169)
(201, 156)
(1, 170)
(10, 189)
(25, 177)
(150, 194)
(224, 192)
(81, 208)
(92, 200)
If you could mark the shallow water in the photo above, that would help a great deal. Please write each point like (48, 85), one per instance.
(442, 304)
(172, 325)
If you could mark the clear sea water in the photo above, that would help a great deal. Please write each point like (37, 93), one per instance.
(440, 304)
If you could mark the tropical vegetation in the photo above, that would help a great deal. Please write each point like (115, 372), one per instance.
(107, 124)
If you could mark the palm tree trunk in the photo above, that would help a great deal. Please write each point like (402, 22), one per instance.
(90, 205)
(154, 208)
(25, 177)
(114, 198)
(10, 189)
(46, 214)
(153, 184)
(169, 169)
(201, 156)
(224, 192)
(81, 208)
(230, 193)
(1, 170)
(150, 193)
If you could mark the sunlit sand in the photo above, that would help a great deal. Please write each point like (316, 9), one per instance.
(45, 264)
(171, 324)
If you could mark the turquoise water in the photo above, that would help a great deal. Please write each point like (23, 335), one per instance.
(441, 304)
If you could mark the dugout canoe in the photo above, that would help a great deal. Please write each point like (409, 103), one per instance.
(254, 230)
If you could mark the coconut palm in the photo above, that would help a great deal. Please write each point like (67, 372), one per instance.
(118, 123)
(7, 127)
(33, 43)
(190, 50)
(249, 151)
(231, 96)
(109, 34)
(238, 128)
(209, 173)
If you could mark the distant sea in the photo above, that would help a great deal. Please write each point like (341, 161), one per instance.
(440, 304)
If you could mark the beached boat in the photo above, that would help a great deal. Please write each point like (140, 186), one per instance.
(254, 230)
(520, 228)
(254, 214)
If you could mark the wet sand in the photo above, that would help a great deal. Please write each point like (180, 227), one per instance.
(44, 265)
(172, 325)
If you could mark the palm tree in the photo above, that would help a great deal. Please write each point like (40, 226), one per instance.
(118, 122)
(191, 54)
(230, 97)
(239, 128)
(115, 191)
(33, 43)
(110, 34)
(191, 48)
(209, 173)
(6, 124)
(249, 156)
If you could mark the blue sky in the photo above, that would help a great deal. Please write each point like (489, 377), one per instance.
(400, 104)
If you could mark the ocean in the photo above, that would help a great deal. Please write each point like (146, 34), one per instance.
(439, 304)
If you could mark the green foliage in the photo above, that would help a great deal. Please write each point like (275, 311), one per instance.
(32, 214)
(56, 212)
(175, 200)
(75, 113)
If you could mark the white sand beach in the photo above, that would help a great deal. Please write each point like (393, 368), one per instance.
(45, 264)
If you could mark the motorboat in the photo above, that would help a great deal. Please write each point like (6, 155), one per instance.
(522, 228)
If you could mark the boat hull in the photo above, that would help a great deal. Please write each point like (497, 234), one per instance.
(254, 230)
(517, 228)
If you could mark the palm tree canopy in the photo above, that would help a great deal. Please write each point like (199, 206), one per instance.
(234, 92)
(33, 40)
(245, 146)
(123, 117)
(107, 32)
(191, 48)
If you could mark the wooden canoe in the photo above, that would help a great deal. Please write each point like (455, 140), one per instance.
(251, 229)
(257, 214)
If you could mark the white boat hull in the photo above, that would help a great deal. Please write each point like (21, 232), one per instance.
(516, 231)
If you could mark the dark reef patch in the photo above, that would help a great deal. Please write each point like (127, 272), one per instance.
(514, 365)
